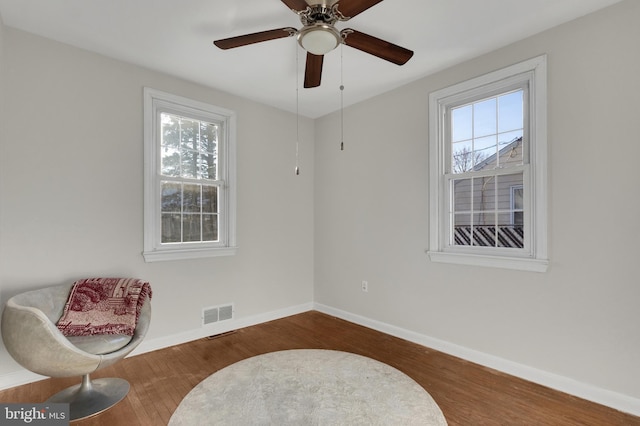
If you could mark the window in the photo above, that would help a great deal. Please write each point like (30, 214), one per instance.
(487, 149)
(189, 207)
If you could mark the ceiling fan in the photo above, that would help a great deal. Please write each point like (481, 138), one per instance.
(319, 36)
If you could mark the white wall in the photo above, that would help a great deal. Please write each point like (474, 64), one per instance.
(71, 201)
(581, 319)
(71, 205)
(2, 64)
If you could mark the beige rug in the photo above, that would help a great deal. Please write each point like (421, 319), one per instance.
(308, 387)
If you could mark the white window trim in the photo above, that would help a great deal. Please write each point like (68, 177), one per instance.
(155, 100)
(535, 70)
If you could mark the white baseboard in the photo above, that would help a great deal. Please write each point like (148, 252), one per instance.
(217, 328)
(586, 391)
(573, 387)
(18, 378)
(22, 377)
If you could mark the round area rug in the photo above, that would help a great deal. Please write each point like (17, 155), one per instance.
(308, 387)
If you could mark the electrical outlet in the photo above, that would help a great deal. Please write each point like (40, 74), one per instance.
(365, 286)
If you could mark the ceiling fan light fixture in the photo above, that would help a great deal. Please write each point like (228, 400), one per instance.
(319, 39)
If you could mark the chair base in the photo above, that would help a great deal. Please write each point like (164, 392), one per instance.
(91, 397)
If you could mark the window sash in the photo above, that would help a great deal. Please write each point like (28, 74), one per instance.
(448, 226)
(474, 136)
(513, 84)
(176, 214)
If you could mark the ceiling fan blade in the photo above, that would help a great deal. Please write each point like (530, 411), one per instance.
(243, 40)
(313, 70)
(376, 47)
(351, 8)
(296, 4)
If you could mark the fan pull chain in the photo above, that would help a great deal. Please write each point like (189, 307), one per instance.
(297, 169)
(341, 101)
(341, 117)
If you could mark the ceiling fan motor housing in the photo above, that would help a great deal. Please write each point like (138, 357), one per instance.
(319, 13)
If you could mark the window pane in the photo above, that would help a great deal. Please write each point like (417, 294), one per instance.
(189, 148)
(484, 211)
(189, 134)
(511, 149)
(510, 112)
(511, 229)
(483, 199)
(461, 123)
(210, 199)
(189, 163)
(463, 157)
(484, 118)
(170, 161)
(505, 184)
(462, 230)
(484, 149)
(504, 219)
(518, 218)
(191, 199)
(462, 195)
(170, 130)
(511, 236)
(208, 137)
(171, 197)
(507, 138)
(190, 212)
(208, 167)
(210, 227)
(485, 218)
(191, 226)
(171, 228)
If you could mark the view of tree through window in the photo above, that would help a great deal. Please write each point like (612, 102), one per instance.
(481, 129)
(189, 166)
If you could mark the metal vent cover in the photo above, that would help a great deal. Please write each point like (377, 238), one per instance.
(218, 313)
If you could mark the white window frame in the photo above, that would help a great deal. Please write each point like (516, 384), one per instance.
(156, 102)
(532, 73)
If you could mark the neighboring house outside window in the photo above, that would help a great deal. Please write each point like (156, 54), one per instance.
(189, 178)
(517, 205)
(487, 148)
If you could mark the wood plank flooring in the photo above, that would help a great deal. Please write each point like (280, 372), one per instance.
(468, 394)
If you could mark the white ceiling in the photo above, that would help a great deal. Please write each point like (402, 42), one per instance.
(176, 37)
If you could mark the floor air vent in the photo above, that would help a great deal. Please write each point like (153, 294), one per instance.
(217, 313)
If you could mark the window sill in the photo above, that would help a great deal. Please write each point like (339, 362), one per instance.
(516, 263)
(184, 254)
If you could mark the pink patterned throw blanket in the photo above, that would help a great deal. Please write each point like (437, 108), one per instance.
(103, 306)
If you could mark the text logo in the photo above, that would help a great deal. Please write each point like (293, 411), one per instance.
(44, 414)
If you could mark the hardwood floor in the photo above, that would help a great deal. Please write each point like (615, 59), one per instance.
(468, 394)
